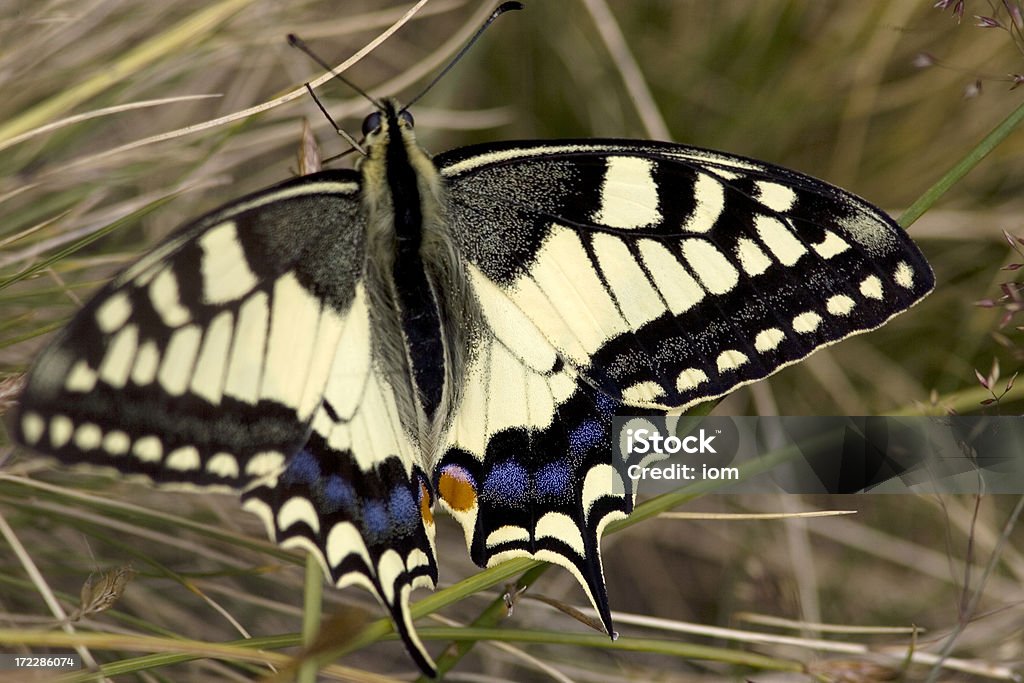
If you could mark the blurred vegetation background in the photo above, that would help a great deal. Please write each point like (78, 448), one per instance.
(880, 97)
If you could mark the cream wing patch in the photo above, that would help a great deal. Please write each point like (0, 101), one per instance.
(293, 324)
(713, 269)
(528, 398)
(777, 236)
(636, 297)
(675, 284)
(360, 395)
(563, 295)
(709, 202)
(769, 339)
(211, 368)
(114, 312)
(225, 268)
(179, 359)
(147, 361)
(751, 257)
(509, 324)
(776, 197)
(245, 368)
(165, 297)
(629, 195)
(117, 363)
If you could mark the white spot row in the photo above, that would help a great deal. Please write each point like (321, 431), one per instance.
(768, 339)
(88, 436)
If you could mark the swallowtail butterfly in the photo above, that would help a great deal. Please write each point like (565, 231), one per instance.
(352, 347)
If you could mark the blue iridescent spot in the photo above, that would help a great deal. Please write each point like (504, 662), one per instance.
(605, 404)
(586, 435)
(506, 484)
(302, 469)
(338, 494)
(376, 522)
(404, 511)
(553, 480)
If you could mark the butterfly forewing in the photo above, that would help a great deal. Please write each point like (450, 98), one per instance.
(668, 275)
(202, 362)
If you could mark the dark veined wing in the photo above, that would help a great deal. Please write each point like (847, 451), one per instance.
(206, 364)
(668, 275)
(639, 278)
(202, 363)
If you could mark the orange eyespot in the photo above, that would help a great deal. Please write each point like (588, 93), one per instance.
(456, 487)
(425, 513)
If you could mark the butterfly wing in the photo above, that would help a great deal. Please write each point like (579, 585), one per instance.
(207, 363)
(203, 362)
(641, 278)
(354, 494)
(526, 467)
(668, 275)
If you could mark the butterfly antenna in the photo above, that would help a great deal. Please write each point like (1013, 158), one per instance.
(299, 43)
(501, 9)
(295, 41)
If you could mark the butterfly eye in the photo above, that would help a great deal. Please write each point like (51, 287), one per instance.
(372, 123)
(406, 117)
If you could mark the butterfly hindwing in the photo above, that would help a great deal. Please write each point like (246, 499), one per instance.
(669, 275)
(526, 468)
(203, 362)
(355, 495)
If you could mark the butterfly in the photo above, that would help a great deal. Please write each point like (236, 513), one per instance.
(355, 349)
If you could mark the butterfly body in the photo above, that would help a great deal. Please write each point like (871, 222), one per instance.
(421, 315)
(350, 347)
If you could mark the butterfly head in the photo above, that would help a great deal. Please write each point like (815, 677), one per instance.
(391, 146)
(390, 116)
(389, 122)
